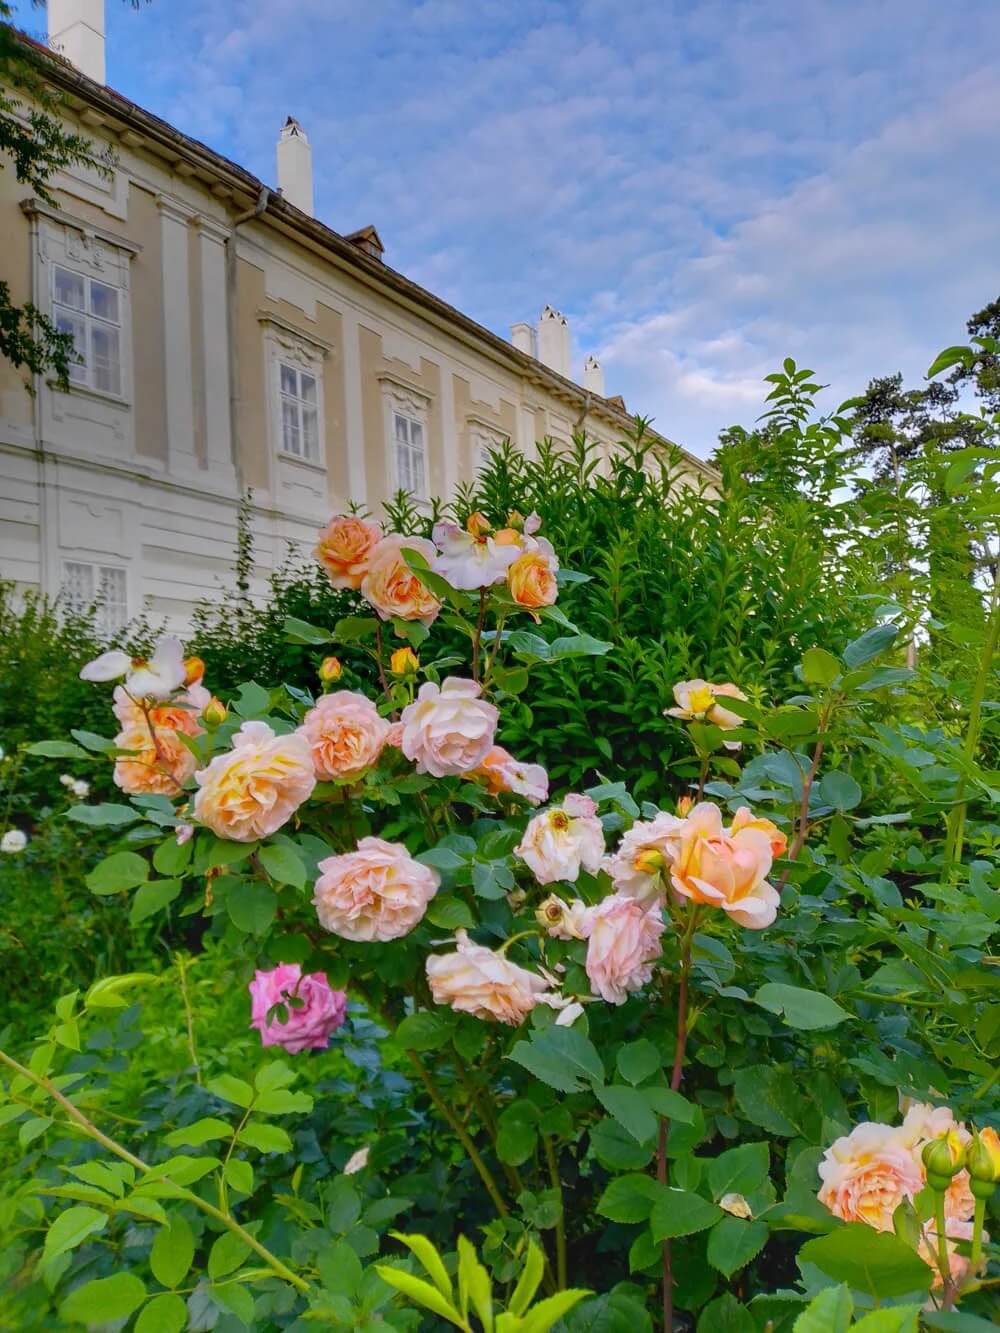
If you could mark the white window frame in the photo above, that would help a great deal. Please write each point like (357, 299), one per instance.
(483, 436)
(406, 402)
(288, 346)
(84, 375)
(106, 623)
(296, 408)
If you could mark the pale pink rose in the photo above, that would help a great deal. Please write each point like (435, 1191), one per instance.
(642, 858)
(558, 842)
(394, 736)
(254, 788)
(183, 833)
(924, 1122)
(345, 734)
(503, 773)
(478, 981)
(623, 944)
(727, 870)
(182, 713)
(157, 768)
(392, 588)
(377, 892)
(448, 730)
(697, 700)
(471, 560)
(307, 1027)
(867, 1174)
(345, 548)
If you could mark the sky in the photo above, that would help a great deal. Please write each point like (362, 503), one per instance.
(703, 187)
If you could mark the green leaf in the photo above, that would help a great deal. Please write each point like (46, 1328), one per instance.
(726, 1315)
(820, 667)
(830, 1312)
(283, 1101)
(352, 628)
(239, 1175)
(109, 815)
(275, 1074)
(733, 1242)
(951, 356)
(561, 1057)
(283, 864)
(424, 1031)
(806, 1010)
(673, 1105)
(428, 1255)
(839, 790)
(874, 1262)
(226, 1254)
(104, 1300)
(71, 1228)
(300, 631)
(871, 644)
(265, 1138)
(681, 1213)
(419, 1291)
(153, 897)
(901, 1319)
(120, 871)
(741, 1170)
(56, 750)
(629, 1198)
(630, 1108)
(548, 1312)
(172, 857)
(474, 1285)
(173, 1251)
(165, 1313)
(252, 905)
(231, 1089)
(206, 1130)
(528, 1282)
(638, 1061)
(339, 1269)
(238, 1300)
(450, 914)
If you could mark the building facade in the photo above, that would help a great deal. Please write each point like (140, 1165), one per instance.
(231, 342)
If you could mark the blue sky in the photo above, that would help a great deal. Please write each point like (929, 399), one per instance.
(702, 186)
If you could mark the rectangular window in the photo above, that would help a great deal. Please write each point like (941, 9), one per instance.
(410, 455)
(299, 412)
(85, 584)
(92, 312)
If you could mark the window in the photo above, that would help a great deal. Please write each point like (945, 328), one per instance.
(92, 312)
(85, 584)
(299, 412)
(408, 436)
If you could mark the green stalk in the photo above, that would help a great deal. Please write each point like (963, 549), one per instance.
(978, 1219)
(553, 1165)
(941, 1227)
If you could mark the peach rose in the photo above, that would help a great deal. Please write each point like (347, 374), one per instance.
(478, 981)
(745, 818)
(345, 549)
(391, 587)
(394, 736)
(503, 773)
(254, 788)
(724, 869)
(377, 892)
(558, 842)
(448, 729)
(867, 1174)
(156, 769)
(345, 733)
(637, 867)
(921, 1124)
(623, 944)
(532, 577)
(182, 713)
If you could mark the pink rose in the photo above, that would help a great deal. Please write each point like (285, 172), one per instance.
(478, 981)
(345, 549)
(558, 842)
(257, 786)
(723, 869)
(867, 1174)
(345, 733)
(448, 730)
(377, 892)
(503, 773)
(307, 1026)
(623, 944)
(394, 736)
(637, 867)
(392, 588)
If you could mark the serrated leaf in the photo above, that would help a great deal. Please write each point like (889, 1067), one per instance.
(226, 1254)
(283, 864)
(206, 1130)
(733, 1242)
(874, 1262)
(629, 1198)
(561, 1057)
(681, 1213)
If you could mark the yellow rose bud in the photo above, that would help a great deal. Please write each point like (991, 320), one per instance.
(515, 520)
(982, 1160)
(404, 662)
(330, 670)
(649, 861)
(550, 912)
(943, 1158)
(194, 669)
(684, 806)
(478, 524)
(215, 713)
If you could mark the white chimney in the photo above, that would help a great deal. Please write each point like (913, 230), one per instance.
(295, 166)
(523, 338)
(76, 31)
(554, 341)
(593, 376)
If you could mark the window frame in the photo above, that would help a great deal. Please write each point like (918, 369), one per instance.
(411, 450)
(286, 345)
(401, 399)
(97, 571)
(301, 405)
(90, 320)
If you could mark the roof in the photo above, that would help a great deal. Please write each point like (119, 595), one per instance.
(227, 178)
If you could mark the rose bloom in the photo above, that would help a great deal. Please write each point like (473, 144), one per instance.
(307, 1027)
(345, 549)
(257, 786)
(394, 736)
(182, 713)
(532, 577)
(448, 729)
(503, 773)
(635, 868)
(724, 869)
(377, 892)
(698, 700)
(345, 733)
(471, 559)
(392, 588)
(745, 818)
(867, 1174)
(159, 769)
(478, 981)
(924, 1122)
(559, 841)
(623, 943)
(562, 920)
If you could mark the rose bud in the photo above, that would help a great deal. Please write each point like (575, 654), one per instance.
(982, 1160)
(214, 713)
(943, 1158)
(404, 662)
(194, 669)
(330, 670)
(478, 524)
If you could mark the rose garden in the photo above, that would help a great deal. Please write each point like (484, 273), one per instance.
(590, 924)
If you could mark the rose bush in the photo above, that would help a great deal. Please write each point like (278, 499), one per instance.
(659, 1043)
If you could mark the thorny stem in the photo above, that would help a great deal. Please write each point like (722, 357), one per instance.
(379, 653)
(464, 1137)
(802, 826)
(182, 967)
(78, 1118)
(552, 1162)
(703, 775)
